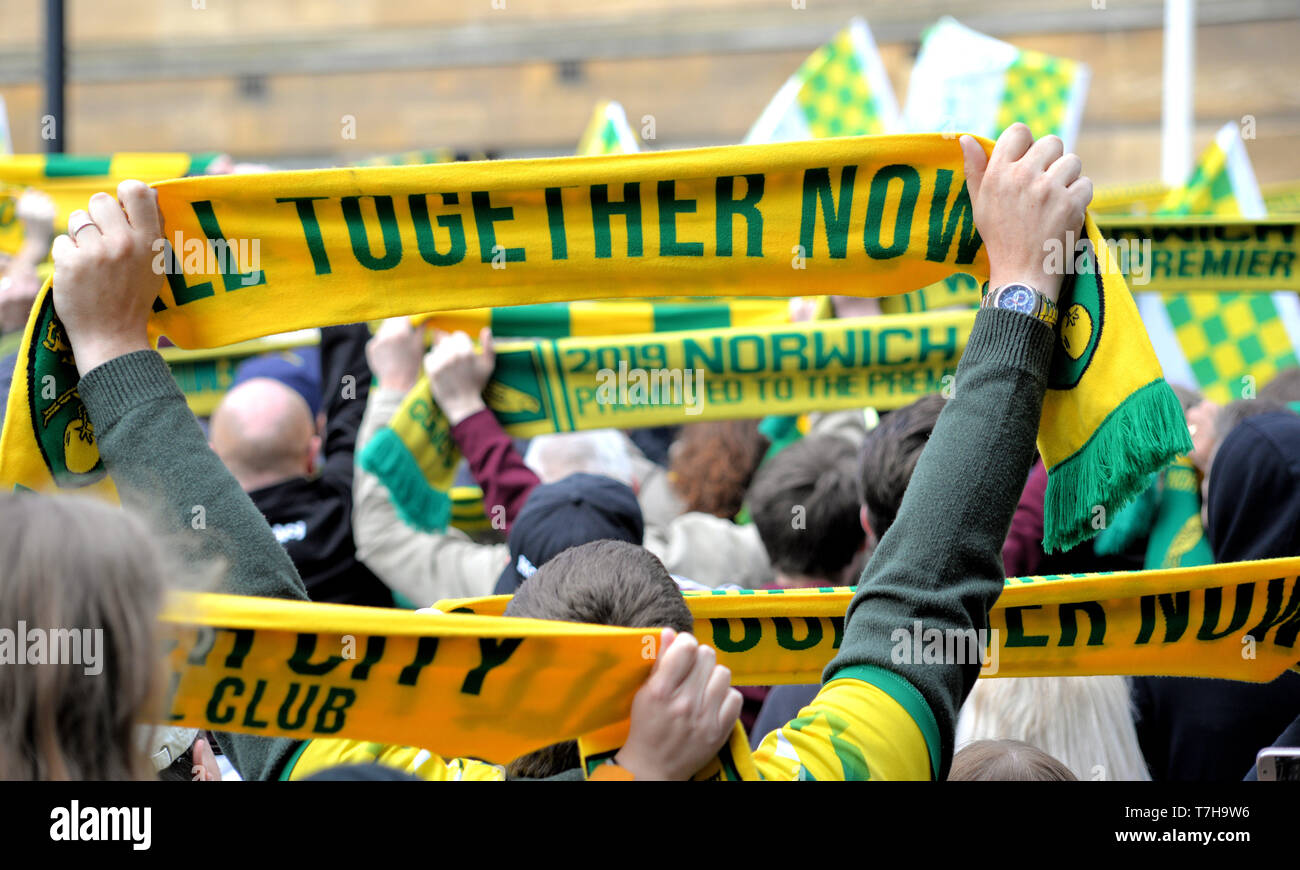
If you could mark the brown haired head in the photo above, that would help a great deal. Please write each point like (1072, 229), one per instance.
(713, 463)
(1006, 761)
(74, 564)
(602, 583)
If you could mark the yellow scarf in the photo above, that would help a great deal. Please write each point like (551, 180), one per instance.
(260, 254)
(482, 685)
(578, 383)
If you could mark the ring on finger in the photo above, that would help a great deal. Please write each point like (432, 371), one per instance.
(78, 222)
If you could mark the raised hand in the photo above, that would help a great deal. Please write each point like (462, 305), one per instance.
(1027, 197)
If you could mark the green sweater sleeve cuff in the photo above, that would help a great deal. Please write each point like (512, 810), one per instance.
(1010, 338)
(124, 383)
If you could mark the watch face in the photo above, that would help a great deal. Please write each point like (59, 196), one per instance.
(1018, 297)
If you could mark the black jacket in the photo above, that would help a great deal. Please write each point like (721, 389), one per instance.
(1203, 729)
(312, 516)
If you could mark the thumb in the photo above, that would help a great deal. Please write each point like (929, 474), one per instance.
(976, 161)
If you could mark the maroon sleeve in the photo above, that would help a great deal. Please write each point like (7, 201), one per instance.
(495, 464)
(1023, 550)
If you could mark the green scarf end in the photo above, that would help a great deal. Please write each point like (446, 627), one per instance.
(1143, 434)
(418, 504)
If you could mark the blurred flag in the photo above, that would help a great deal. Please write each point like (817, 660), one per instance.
(1225, 344)
(840, 90)
(966, 82)
(608, 132)
(72, 179)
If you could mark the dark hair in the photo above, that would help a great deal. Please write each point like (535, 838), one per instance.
(889, 456)
(1284, 387)
(1007, 761)
(805, 505)
(713, 463)
(603, 583)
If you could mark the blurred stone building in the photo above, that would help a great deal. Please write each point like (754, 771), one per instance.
(276, 80)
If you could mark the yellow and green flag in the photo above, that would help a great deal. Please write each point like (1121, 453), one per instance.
(967, 82)
(608, 132)
(842, 89)
(1224, 344)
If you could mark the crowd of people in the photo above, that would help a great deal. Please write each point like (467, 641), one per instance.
(926, 509)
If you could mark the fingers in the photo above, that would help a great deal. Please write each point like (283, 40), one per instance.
(675, 664)
(1044, 153)
(1066, 169)
(705, 659)
(976, 162)
(394, 326)
(1012, 144)
(140, 203)
(108, 215)
(1080, 191)
(62, 246)
(81, 223)
(716, 692)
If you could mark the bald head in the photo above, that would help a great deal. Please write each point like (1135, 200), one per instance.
(263, 432)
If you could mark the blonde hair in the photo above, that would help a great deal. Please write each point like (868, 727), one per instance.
(71, 563)
(1085, 722)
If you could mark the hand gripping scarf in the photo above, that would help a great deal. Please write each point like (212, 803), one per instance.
(260, 254)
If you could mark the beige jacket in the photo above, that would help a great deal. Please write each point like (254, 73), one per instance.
(423, 567)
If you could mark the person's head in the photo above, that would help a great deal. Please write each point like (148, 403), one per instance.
(1284, 387)
(569, 512)
(1006, 761)
(596, 451)
(603, 583)
(1253, 495)
(1226, 419)
(804, 503)
(1187, 397)
(713, 463)
(264, 432)
(1086, 723)
(90, 579)
(888, 458)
